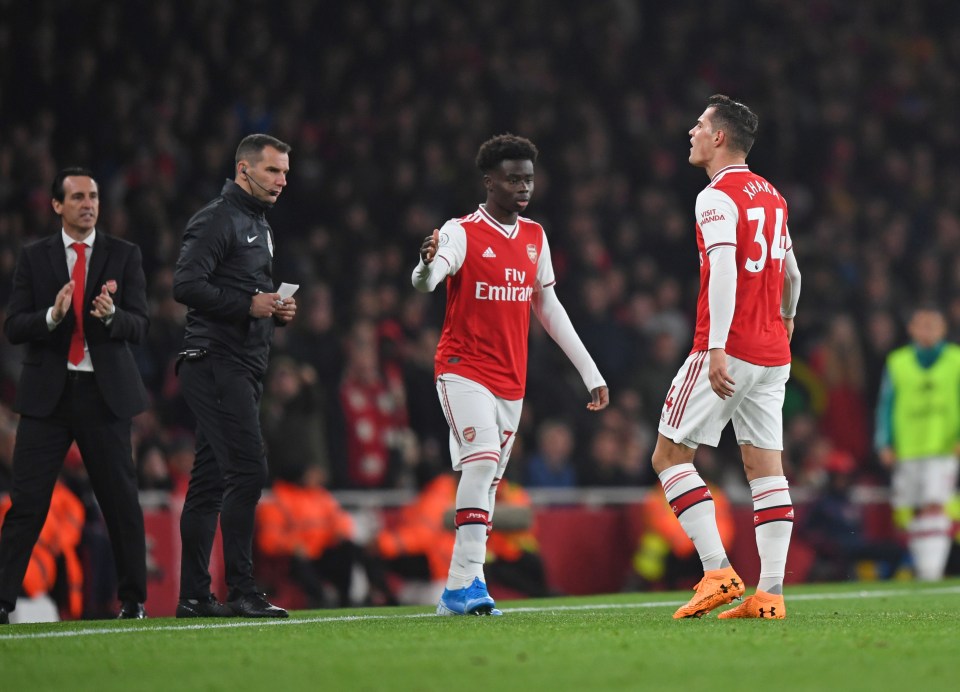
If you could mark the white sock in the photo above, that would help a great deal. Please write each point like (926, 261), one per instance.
(472, 520)
(929, 543)
(693, 506)
(469, 553)
(773, 519)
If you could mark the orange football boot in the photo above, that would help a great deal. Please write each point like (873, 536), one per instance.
(718, 587)
(760, 605)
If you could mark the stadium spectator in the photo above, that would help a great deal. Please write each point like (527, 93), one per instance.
(513, 552)
(416, 545)
(303, 523)
(839, 361)
(293, 420)
(372, 400)
(551, 464)
(55, 565)
(653, 377)
(833, 527)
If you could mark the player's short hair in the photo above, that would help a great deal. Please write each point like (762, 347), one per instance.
(736, 120)
(505, 147)
(56, 188)
(251, 147)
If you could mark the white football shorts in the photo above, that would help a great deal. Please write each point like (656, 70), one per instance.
(920, 482)
(482, 426)
(693, 414)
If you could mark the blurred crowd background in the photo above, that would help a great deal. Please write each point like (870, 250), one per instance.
(385, 105)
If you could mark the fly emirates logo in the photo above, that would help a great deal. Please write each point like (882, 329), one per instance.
(511, 291)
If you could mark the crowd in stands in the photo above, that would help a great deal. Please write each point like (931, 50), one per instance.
(385, 105)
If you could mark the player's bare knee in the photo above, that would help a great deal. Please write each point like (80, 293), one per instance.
(760, 463)
(668, 453)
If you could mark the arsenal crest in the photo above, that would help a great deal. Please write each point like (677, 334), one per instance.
(532, 253)
(470, 434)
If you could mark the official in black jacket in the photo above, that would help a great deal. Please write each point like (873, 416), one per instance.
(78, 301)
(224, 276)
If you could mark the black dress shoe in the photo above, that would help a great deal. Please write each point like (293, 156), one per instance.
(4, 616)
(254, 605)
(208, 607)
(132, 611)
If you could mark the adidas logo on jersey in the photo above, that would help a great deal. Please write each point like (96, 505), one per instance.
(489, 252)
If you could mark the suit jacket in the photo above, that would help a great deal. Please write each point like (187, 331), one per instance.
(40, 274)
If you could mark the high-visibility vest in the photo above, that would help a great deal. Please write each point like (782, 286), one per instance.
(926, 403)
(60, 536)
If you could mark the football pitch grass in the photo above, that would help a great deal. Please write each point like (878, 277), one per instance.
(852, 636)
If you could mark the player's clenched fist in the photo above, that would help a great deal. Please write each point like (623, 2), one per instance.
(429, 248)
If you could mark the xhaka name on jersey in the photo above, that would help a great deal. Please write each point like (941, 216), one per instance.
(754, 187)
(510, 292)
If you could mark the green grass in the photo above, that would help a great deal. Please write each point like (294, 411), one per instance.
(890, 636)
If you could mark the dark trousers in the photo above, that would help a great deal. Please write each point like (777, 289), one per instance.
(104, 443)
(228, 474)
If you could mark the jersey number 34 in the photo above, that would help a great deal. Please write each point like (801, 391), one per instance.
(778, 248)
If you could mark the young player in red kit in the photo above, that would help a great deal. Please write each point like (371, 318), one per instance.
(739, 365)
(497, 266)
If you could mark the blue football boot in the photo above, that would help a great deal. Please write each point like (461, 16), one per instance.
(470, 600)
(452, 602)
(478, 601)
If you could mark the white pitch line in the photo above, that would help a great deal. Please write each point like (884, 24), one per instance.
(234, 624)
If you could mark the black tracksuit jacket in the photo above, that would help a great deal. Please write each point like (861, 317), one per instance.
(226, 257)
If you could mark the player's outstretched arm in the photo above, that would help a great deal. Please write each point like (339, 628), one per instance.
(556, 322)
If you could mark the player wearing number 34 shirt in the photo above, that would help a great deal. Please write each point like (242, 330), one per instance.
(739, 365)
(497, 267)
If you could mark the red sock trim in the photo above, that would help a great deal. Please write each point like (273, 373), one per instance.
(768, 514)
(681, 503)
(472, 515)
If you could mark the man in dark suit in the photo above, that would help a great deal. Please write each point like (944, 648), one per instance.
(78, 300)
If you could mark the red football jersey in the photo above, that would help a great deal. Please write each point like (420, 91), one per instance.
(494, 271)
(741, 209)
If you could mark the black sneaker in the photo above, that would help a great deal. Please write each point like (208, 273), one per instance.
(131, 610)
(254, 605)
(4, 616)
(208, 607)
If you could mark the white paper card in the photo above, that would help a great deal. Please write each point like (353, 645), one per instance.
(287, 290)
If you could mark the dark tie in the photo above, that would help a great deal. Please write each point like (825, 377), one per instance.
(79, 277)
